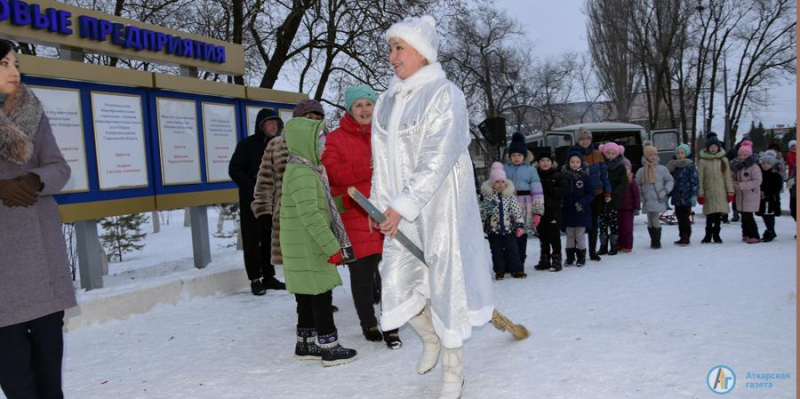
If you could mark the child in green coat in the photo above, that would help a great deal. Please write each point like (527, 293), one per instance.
(311, 234)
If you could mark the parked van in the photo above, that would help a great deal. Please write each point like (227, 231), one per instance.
(631, 136)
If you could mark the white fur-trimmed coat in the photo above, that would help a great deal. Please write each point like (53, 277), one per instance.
(422, 169)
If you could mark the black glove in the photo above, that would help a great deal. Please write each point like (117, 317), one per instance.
(17, 192)
(348, 255)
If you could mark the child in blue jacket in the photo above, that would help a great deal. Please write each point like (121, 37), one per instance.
(528, 185)
(684, 191)
(577, 214)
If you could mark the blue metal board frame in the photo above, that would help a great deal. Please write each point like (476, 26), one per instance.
(151, 137)
(85, 89)
(155, 146)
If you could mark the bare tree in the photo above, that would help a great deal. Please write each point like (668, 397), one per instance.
(609, 33)
(489, 57)
(767, 52)
(658, 30)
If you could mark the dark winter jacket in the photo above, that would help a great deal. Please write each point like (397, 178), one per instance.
(598, 173)
(580, 192)
(747, 175)
(35, 280)
(771, 184)
(618, 181)
(631, 201)
(492, 205)
(348, 161)
(246, 159)
(686, 184)
(555, 186)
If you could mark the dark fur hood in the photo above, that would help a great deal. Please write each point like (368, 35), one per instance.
(20, 117)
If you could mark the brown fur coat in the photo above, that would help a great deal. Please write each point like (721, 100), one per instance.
(267, 194)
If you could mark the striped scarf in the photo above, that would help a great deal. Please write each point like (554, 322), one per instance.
(336, 221)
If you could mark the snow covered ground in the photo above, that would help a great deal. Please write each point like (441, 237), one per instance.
(650, 324)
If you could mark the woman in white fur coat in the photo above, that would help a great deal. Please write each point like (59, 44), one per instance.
(423, 178)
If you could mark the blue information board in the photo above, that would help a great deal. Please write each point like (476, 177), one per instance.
(186, 140)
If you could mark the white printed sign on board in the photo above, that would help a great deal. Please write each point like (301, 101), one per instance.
(63, 110)
(119, 138)
(180, 151)
(219, 133)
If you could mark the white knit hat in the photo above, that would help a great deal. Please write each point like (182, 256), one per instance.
(420, 33)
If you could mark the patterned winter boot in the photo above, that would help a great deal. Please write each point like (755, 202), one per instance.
(555, 262)
(334, 354)
(423, 325)
(306, 347)
(452, 374)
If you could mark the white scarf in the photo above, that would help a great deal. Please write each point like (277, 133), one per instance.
(427, 74)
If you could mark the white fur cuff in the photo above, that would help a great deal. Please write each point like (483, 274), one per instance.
(405, 207)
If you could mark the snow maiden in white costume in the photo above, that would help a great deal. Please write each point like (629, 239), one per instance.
(423, 177)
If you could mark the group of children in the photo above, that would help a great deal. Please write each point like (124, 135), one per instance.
(557, 199)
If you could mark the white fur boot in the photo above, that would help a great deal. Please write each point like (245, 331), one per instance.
(423, 325)
(452, 374)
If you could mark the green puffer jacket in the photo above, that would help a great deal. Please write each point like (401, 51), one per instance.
(306, 237)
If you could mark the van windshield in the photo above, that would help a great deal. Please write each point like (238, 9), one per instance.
(555, 140)
(622, 138)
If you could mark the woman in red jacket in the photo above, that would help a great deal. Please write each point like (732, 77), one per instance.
(348, 161)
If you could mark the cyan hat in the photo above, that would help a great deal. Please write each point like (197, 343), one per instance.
(686, 150)
(355, 93)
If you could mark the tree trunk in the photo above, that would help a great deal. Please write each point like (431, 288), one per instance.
(283, 42)
(221, 220)
(156, 221)
(238, 27)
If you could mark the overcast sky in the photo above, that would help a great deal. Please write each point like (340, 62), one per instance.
(555, 27)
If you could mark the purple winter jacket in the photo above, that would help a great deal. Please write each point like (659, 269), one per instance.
(631, 201)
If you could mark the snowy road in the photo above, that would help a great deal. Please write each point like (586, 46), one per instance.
(650, 324)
